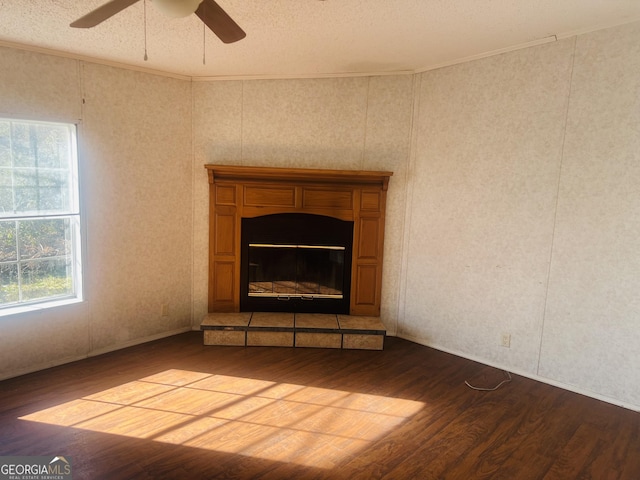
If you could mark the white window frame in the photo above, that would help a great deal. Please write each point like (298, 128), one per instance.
(74, 217)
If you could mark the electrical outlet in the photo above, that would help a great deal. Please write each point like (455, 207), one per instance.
(164, 310)
(505, 340)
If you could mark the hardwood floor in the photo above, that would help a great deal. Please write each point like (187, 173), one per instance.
(177, 409)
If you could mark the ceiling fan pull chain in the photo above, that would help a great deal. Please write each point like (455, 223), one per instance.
(145, 30)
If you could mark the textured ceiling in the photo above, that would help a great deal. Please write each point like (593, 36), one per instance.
(298, 38)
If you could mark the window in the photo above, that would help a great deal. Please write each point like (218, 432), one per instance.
(40, 259)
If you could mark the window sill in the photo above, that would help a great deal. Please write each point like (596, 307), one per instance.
(38, 307)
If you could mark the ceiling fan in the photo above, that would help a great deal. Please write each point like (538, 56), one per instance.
(208, 11)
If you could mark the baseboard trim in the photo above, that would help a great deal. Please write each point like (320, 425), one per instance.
(532, 376)
(93, 353)
(138, 341)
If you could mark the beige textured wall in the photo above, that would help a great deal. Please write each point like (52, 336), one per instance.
(135, 166)
(591, 334)
(24, 93)
(513, 208)
(341, 123)
(137, 172)
(62, 333)
(525, 213)
(487, 159)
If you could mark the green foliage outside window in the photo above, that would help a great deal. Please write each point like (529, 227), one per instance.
(38, 212)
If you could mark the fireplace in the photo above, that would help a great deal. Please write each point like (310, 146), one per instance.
(295, 262)
(300, 240)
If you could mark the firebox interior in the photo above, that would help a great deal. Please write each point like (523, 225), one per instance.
(296, 263)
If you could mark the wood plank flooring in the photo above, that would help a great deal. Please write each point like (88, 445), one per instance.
(175, 409)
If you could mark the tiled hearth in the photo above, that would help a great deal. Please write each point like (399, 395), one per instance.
(293, 330)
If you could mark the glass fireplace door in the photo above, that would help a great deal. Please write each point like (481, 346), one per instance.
(303, 271)
(295, 263)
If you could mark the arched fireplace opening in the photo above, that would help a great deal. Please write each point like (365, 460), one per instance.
(295, 262)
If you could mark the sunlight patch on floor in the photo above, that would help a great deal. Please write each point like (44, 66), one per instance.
(283, 422)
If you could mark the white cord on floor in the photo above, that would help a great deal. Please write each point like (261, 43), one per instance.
(507, 380)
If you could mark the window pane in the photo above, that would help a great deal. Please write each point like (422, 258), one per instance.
(38, 190)
(46, 278)
(22, 150)
(9, 283)
(44, 238)
(6, 191)
(8, 246)
(36, 162)
(5, 144)
(39, 216)
(39, 145)
(53, 146)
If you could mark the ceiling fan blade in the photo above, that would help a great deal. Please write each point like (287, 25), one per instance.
(219, 22)
(100, 14)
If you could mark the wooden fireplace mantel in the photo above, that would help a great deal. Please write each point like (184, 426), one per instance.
(237, 192)
(303, 175)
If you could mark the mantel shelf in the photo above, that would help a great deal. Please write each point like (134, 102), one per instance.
(315, 175)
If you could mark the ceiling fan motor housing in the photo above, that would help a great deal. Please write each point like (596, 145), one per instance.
(177, 8)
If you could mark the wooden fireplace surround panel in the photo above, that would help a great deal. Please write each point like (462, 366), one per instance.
(237, 192)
